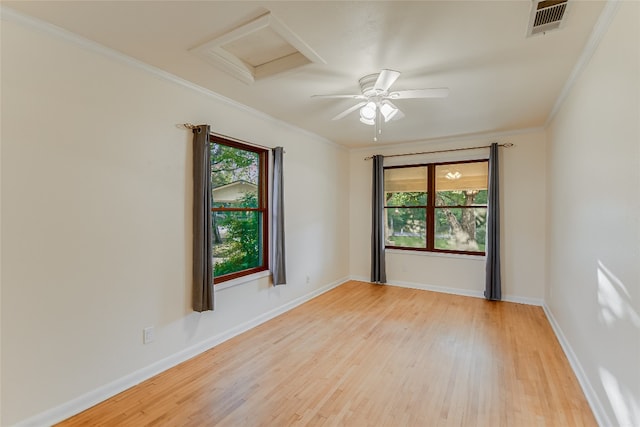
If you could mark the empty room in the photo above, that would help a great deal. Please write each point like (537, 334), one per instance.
(354, 213)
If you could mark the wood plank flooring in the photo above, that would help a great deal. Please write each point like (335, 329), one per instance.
(368, 355)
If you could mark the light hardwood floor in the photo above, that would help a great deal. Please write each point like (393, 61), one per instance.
(369, 355)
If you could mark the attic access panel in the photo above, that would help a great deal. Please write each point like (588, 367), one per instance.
(258, 49)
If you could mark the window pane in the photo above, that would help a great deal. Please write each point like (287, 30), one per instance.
(406, 186)
(236, 241)
(405, 199)
(462, 184)
(460, 229)
(406, 227)
(235, 177)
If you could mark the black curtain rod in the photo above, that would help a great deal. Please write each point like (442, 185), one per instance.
(192, 126)
(505, 145)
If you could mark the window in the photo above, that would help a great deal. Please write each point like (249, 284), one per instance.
(438, 207)
(239, 194)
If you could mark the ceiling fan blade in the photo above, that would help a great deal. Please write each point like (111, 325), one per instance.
(385, 80)
(340, 96)
(441, 92)
(349, 111)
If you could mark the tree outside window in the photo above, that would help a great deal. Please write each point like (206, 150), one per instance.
(239, 214)
(437, 207)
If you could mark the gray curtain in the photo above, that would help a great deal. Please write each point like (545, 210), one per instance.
(493, 289)
(279, 270)
(202, 296)
(378, 268)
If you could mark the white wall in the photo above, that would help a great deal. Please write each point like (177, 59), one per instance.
(95, 229)
(96, 224)
(594, 222)
(522, 192)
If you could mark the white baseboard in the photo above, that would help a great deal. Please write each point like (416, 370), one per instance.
(587, 388)
(100, 394)
(592, 398)
(523, 300)
(87, 400)
(455, 291)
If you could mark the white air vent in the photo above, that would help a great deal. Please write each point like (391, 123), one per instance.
(546, 15)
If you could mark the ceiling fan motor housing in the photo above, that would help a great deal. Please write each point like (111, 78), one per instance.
(367, 84)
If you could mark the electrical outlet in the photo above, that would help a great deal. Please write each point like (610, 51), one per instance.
(308, 280)
(148, 335)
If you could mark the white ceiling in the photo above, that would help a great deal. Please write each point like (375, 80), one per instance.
(499, 79)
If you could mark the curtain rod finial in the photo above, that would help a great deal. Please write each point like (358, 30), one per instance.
(507, 145)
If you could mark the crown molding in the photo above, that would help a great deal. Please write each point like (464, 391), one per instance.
(10, 15)
(448, 139)
(599, 30)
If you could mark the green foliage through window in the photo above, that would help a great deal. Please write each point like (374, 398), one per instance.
(446, 214)
(238, 217)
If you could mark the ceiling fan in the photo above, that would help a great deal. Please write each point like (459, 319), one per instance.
(376, 103)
